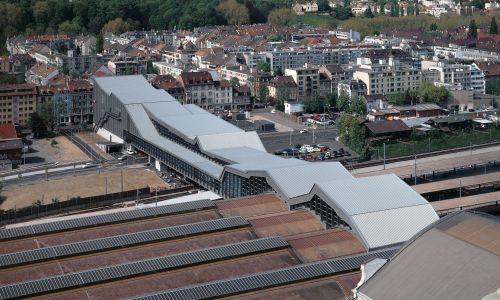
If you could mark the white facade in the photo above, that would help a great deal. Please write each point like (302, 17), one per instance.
(292, 108)
(468, 76)
(165, 68)
(387, 76)
(477, 54)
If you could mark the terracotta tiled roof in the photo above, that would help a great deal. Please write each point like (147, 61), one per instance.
(8, 131)
(42, 70)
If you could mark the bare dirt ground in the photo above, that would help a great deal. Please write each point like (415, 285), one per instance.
(92, 138)
(80, 185)
(61, 151)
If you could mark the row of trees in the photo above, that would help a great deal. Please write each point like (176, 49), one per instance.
(80, 16)
(369, 26)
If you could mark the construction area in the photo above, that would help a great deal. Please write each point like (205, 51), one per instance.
(96, 183)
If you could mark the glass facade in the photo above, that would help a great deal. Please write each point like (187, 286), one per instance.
(163, 131)
(327, 214)
(234, 186)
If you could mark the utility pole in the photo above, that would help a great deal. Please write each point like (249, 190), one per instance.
(384, 156)
(121, 174)
(291, 137)
(460, 189)
(106, 180)
(415, 170)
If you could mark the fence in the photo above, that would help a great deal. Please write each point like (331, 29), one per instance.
(438, 143)
(39, 209)
(456, 172)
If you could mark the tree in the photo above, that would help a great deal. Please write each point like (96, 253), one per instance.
(234, 12)
(472, 33)
(37, 125)
(234, 81)
(331, 100)
(493, 26)
(323, 5)
(433, 27)
(278, 72)
(352, 134)
(150, 69)
(315, 105)
(357, 106)
(99, 46)
(428, 92)
(417, 9)
(381, 9)
(49, 112)
(263, 66)
(263, 93)
(368, 13)
(280, 16)
(70, 27)
(116, 26)
(343, 102)
(342, 12)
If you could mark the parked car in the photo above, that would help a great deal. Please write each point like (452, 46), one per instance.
(303, 130)
(131, 152)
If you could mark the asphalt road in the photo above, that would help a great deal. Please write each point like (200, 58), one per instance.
(278, 141)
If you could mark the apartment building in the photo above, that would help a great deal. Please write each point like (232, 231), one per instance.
(165, 68)
(125, 66)
(223, 95)
(171, 86)
(199, 88)
(352, 88)
(307, 80)
(470, 77)
(72, 100)
(41, 74)
(87, 44)
(300, 7)
(384, 72)
(69, 62)
(283, 88)
(330, 76)
(17, 103)
(241, 97)
(292, 58)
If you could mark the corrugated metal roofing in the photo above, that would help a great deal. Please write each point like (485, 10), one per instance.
(296, 181)
(166, 109)
(191, 126)
(437, 265)
(388, 227)
(248, 139)
(132, 89)
(370, 194)
(194, 109)
(149, 132)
